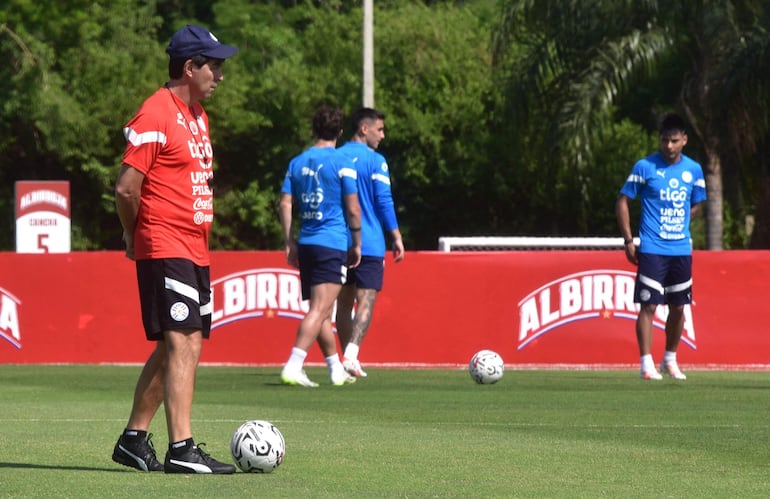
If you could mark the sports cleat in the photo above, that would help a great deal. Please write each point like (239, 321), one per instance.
(672, 369)
(353, 367)
(298, 378)
(341, 377)
(652, 375)
(196, 461)
(139, 455)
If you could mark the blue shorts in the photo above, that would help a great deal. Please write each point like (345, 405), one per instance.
(321, 265)
(663, 279)
(175, 294)
(369, 273)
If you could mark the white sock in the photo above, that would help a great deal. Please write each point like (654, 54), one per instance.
(669, 357)
(647, 363)
(333, 363)
(296, 359)
(351, 351)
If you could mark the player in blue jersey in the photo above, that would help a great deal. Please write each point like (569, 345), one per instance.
(671, 187)
(378, 216)
(322, 183)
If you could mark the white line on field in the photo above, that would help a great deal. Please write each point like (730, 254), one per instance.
(400, 423)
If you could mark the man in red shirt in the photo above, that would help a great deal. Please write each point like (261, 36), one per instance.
(164, 201)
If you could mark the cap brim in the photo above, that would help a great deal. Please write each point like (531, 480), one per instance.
(221, 52)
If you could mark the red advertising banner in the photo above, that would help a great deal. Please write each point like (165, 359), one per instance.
(550, 309)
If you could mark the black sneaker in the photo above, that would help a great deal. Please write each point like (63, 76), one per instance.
(196, 461)
(139, 455)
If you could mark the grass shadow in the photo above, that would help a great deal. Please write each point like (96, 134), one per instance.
(33, 466)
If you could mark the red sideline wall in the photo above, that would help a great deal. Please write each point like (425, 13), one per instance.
(554, 308)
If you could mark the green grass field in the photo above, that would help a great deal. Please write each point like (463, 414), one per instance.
(403, 433)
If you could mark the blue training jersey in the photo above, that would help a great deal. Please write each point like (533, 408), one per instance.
(374, 195)
(667, 193)
(318, 179)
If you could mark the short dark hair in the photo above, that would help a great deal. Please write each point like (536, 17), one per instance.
(327, 123)
(364, 114)
(671, 123)
(176, 66)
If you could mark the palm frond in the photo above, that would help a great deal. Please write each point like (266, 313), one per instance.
(597, 87)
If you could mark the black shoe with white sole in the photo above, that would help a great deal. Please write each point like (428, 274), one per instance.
(196, 461)
(137, 453)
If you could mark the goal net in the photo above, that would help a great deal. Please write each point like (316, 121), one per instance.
(449, 243)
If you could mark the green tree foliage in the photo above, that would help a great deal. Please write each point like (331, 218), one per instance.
(533, 137)
(579, 60)
(434, 82)
(743, 100)
(291, 60)
(75, 70)
(432, 71)
(562, 66)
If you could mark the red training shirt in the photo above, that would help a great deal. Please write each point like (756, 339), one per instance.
(169, 143)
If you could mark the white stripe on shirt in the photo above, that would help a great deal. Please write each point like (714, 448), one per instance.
(381, 178)
(138, 139)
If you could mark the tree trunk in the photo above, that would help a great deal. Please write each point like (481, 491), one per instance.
(715, 202)
(760, 237)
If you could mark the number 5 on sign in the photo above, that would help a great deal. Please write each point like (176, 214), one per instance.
(42, 242)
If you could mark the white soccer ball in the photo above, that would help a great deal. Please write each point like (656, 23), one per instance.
(258, 447)
(486, 367)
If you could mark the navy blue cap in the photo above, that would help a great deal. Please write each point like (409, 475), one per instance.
(194, 40)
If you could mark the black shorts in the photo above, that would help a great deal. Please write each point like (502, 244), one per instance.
(321, 265)
(663, 279)
(369, 273)
(175, 294)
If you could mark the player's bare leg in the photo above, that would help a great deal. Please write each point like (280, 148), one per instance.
(674, 328)
(148, 394)
(327, 341)
(184, 350)
(365, 299)
(644, 340)
(134, 447)
(644, 328)
(322, 297)
(345, 303)
(184, 456)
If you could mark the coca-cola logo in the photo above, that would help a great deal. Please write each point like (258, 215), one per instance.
(203, 204)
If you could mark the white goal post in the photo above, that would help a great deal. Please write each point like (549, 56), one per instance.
(524, 243)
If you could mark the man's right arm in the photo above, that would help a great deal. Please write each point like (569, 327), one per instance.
(623, 216)
(128, 197)
(397, 245)
(285, 207)
(353, 214)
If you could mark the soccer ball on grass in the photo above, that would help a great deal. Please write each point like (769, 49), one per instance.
(486, 367)
(257, 447)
